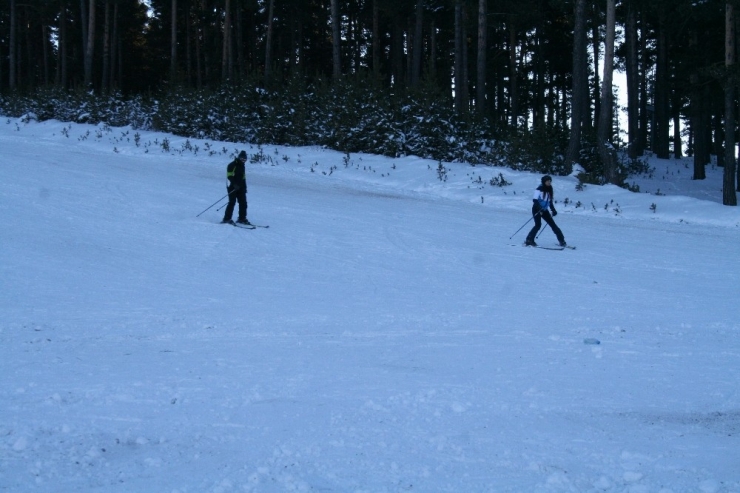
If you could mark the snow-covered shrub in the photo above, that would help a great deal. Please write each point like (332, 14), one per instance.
(356, 114)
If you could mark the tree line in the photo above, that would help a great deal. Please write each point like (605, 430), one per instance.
(532, 67)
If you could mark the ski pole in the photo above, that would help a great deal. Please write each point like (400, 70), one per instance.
(226, 202)
(216, 202)
(515, 232)
(535, 215)
(542, 230)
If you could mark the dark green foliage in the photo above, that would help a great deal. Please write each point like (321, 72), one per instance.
(353, 115)
(79, 107)
(538, 150)
(593, 166)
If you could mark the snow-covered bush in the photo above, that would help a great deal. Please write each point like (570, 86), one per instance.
(352, 115)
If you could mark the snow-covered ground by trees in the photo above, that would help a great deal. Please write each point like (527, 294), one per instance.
(385, 334)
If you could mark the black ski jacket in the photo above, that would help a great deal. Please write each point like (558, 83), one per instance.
(236, 174)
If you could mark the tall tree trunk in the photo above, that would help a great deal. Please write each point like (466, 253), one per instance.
(115, 52)
(465, 73)
(432, 50)
(588, 123)
(501, 114)
(604, 132)
(644, 62)
(397, 73)
(480, 85)
(268, 44)
(90, 50)
(26, 61)
(706, 123)
(13, 47)
(198, 59)
(336, 40)
(376, 39)
(106, 49)
(549, 102)
(513, 77)
(83, 24)
(189, 45)
(459, 40)
(357, 42)
(717, 136)
(226, 50)
(117, 58)
(697, 124)
(580, 82)
(2, 74)
(301, 58)
(729, 193)
(633, 86)
(241, 61)
(418, 43)
(661, 132)
(173, 43)
(676, 115)
(540, 74)
(45, 50)
(293, 22)
(230, 53)
(199, 35)
(458, 56)
(61, 75)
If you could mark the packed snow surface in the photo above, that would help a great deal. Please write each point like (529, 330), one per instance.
(385, 334)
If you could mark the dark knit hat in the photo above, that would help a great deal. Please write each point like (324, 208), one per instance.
(546, 178)
(242, 155)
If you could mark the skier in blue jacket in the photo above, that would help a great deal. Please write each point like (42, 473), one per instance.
(542, 201)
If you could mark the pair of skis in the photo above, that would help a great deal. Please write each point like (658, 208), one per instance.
(248, 226)
(570, 247)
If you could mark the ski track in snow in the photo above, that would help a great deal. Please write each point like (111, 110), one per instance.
(381, 335)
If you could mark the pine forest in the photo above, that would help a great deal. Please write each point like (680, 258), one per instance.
(529, 84)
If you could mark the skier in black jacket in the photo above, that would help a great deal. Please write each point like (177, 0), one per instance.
(237, 189)
(542, 201)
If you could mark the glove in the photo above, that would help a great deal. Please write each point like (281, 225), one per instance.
(236, 186)
(553, 212)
